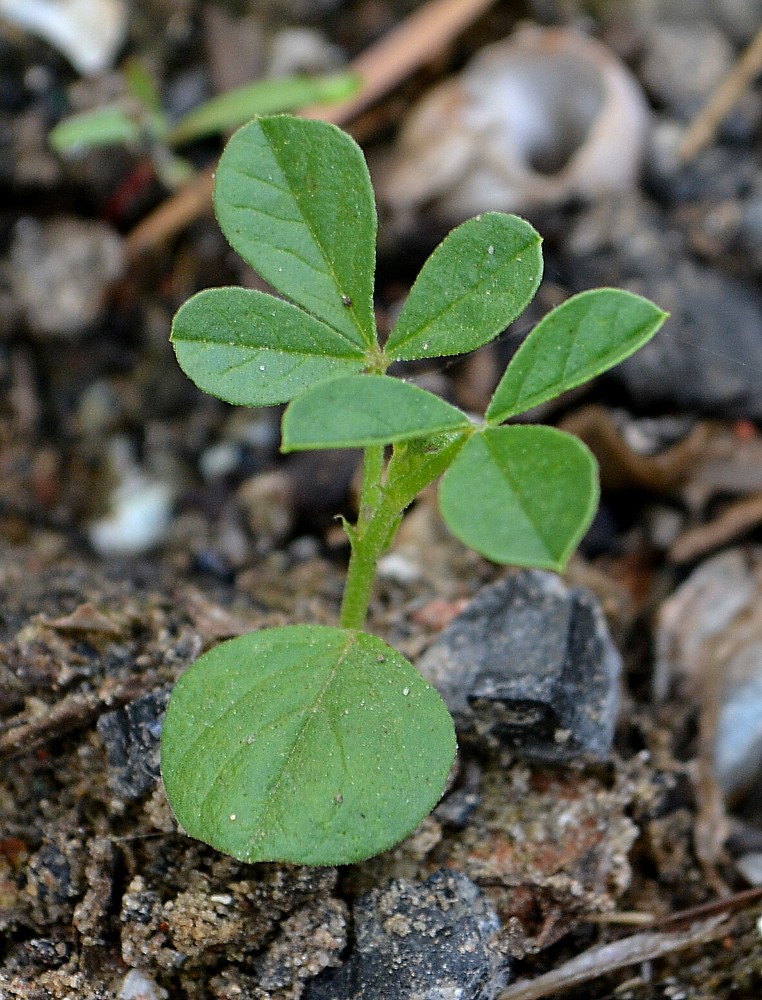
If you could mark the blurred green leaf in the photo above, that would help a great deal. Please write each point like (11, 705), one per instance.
(105, 126)
(262, 97)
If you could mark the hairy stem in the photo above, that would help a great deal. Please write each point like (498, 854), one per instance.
(372, 477)
(386, 493)
(376, 523)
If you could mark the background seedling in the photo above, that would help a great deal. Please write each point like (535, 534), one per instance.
(139, 118)
(321, 745)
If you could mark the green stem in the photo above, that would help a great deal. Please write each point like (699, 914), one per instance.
(376, 523)
(372, 474)
(382, 504)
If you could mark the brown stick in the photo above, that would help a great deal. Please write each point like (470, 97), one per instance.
(736, 520)
(606, 958)
(381, 67)
(73, 712)
(407, 47)
(701, 130)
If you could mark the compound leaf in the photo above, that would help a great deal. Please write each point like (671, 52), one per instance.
(294, 199)
(578, 340)
(252, 349)
(355, 411)
(304, 744)
(521, 494)
(477, 281)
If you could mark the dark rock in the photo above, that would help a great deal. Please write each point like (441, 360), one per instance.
(707, 358)
(425, 941)
(719, 173)
(530, 665)
(131, 736)
(457, 808)
(54, 880)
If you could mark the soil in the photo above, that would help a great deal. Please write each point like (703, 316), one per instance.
(95, 878)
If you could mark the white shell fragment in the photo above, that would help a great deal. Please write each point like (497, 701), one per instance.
(88, 32)
(140, 513)
(541, 117)
(710, 633)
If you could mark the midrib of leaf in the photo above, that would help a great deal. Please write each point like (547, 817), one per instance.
(199, 338)
(232, 709)
(599, 361)
(272, 791)
(294, 191)
(524, 503)
(451, 305)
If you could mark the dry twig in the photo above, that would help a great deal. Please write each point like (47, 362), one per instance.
(75, 711)
(701, 130)
(606, 958)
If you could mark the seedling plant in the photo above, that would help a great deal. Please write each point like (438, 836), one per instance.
(139, 119)
(323, 745)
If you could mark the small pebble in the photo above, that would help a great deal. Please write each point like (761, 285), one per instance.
(131, 736)
(710, 632)
(61, 270)
(432, 940)
(671, 70)
(268, 504)
(529, 664)
(141, 514)
(750, 866)
(137, 986)
(88, 32)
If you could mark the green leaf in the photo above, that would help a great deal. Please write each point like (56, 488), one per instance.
(142, 86)
(101, 127)
(252, 349)
(355, 411)
(521, 494)
(263, 97)
(304, 744)
(293, 198)
(477, 281)
(578, 340)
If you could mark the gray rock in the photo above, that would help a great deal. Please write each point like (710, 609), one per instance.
(671, 71)
(419, 941)
(530, 665)
(131, 736)
(739, 19)
(707, 357)
(60, 271)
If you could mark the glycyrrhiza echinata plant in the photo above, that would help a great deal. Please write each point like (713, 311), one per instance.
(320, 745)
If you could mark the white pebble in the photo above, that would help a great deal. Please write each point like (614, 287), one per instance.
(137, 986)
(88, 32)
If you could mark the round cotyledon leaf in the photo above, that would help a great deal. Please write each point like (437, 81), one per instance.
(304, 744)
